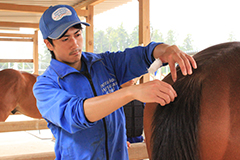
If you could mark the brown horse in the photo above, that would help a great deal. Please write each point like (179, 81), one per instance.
(203, 122)
(16, 94)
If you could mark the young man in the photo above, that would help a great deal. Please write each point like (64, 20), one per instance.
(78, 93)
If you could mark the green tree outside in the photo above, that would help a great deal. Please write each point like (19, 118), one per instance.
(171, 38)
(231, 37)
(187, 44)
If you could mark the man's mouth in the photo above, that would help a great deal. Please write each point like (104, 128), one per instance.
(76, 51)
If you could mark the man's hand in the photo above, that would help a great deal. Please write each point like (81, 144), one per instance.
(171, 55)
(154, 91)
(128, 145)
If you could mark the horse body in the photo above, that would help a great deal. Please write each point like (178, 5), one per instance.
(16, 94)
(219, 126)
(204, 120)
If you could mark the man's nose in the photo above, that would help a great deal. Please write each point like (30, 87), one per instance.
(74, 42)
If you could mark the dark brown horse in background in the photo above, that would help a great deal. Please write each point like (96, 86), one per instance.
(203, 123)
(16, 94)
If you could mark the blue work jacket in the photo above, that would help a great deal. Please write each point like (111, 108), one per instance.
(61, 90)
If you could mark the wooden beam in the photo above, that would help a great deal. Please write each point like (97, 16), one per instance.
(16, 60)
(22, 8)
(15, 29)
(31, 9)
(16, 35)
(89, 30)
(87, 3)
(23, 125)
(16, 39)
(81, 12)
(18, 25)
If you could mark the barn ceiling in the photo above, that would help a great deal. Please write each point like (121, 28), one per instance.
(26, 13)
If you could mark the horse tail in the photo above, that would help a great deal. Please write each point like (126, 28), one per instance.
(175, 126)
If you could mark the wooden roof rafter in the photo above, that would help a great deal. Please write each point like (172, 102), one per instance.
(31, 9)
(87, 3)
(22, 8)
(16, 37)
(18, 24)
(15, 14)
(28, 9)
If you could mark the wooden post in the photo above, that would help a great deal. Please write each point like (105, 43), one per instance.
(144, 29)
(144, 22)
(89, 29)
(35, 52)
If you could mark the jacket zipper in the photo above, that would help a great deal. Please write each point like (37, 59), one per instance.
(88, 76)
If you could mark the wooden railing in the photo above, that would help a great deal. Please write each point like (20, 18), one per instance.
(24, 38)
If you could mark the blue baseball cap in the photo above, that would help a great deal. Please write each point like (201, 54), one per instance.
(58, 19)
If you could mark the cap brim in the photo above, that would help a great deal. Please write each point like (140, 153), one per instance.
(63, 28)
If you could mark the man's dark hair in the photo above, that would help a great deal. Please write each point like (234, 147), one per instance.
(77, 26)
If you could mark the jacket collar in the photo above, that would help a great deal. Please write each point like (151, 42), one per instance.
(63, 69)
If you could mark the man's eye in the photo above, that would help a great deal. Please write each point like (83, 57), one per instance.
(65, 39)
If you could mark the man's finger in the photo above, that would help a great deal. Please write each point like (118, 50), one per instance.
(193, 62)
(187, 63)
(173, 71)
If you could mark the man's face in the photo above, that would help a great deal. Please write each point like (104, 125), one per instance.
(68, 49)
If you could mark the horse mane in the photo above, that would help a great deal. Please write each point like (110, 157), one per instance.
(175, 125)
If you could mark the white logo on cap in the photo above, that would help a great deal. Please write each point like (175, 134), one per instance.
(60, 13)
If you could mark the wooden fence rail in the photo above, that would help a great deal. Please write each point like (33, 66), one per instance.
(23, 125)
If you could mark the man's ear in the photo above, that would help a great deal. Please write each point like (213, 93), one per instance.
(48, 44)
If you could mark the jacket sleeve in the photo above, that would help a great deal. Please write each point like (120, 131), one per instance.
(131, 63)
(60, 107)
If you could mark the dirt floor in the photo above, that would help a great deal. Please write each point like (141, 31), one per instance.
(25, 142)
